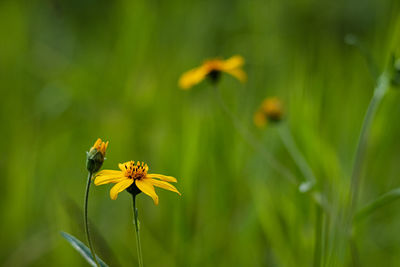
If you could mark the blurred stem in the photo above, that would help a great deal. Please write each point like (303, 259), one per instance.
(318, 237)
(365, 53)
(89, 180)
(381, 201)
(250, 140)
(325, 238)
(380, 90)
(317, 197)
(291, 147)
(354, 253)
(290, 144)
(136, 223)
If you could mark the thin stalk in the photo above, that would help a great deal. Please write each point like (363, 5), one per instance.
(86, 219)
(380, 202)
(290, 144)
(275, 164)
(325, 238)
(251, 141)
(318, 237)
(365, 53)
(355, 258)
(379, 92)
(291, 147)
(136, 223)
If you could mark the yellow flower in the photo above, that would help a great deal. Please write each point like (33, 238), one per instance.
(95, 156)
(212, 68)
(270, 110)
(134, 178)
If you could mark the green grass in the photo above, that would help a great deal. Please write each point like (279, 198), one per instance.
(72, 72)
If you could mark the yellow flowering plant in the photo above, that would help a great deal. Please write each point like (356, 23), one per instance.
(212, 68)
(94, 161)
(270, 110)
(133, 177)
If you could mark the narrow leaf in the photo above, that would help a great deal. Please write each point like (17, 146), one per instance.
(378, 203)
(83, 250)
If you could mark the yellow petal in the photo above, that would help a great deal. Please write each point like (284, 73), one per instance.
(233, 63)
(192, 77)
(259, 119)
(162, 177)
(96, 144)
(121, 167)
(108, 172)
(164, 185)
(103, 148)
(238, 74)
(106, 179)
(121, 186)
(147, 187)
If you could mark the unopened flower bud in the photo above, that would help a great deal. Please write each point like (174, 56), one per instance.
(95, 156)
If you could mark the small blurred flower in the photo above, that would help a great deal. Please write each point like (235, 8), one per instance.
(259, 119)
(135, 179)
(270, 110)
(212, 69)
(95, 156)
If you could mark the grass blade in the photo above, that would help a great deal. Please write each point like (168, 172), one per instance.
(83, 250)
(378, 203)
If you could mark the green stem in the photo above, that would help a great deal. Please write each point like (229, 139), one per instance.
(381, 201)
(86, 219)
(136, 223)
(379, 92)
(290, 144)
(318, 237)
(295, 153)
(355, 259)
(371, 64)
(275, 164)
(250, 140)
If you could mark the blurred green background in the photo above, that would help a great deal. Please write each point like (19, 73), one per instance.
(73, 71)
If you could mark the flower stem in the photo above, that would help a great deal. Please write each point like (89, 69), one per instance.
(321, 205)
(318, 243)
(295, 153)
(86, 219)
(250, 140)
(379, 92)
(136, 223)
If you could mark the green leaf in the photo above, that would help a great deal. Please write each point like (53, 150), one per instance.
(83, 250)
(378, 203)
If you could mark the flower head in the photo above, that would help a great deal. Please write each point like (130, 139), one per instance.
(134, 177)
(270, 110)
(95, 156)
(212, 69)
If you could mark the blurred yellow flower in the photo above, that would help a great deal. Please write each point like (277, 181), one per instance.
(270, 110)
(259, 119)
(134, 178)
(212, 68)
